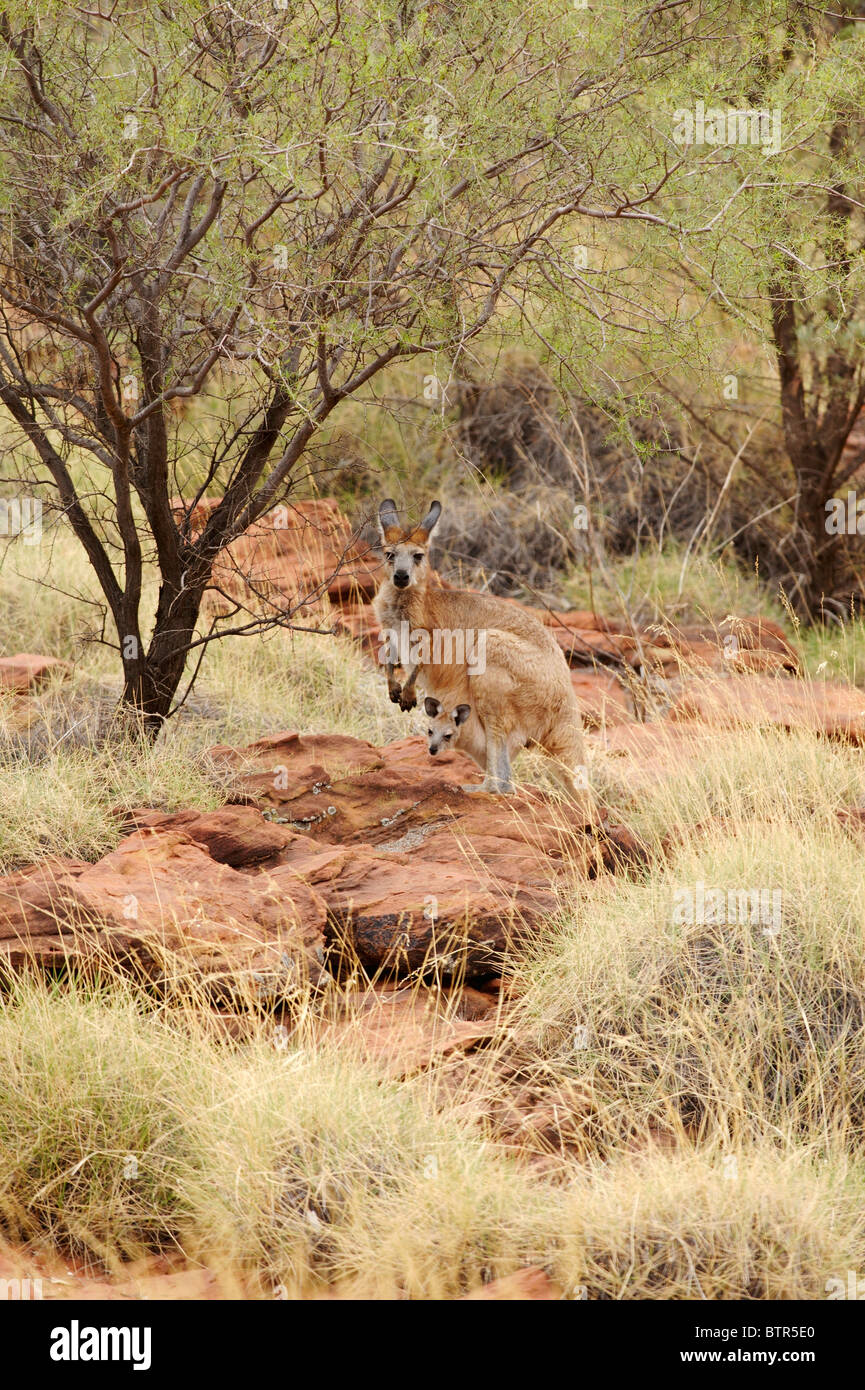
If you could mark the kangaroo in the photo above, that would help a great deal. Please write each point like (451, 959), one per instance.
(519, 701)
(444, 730)
(516, 692)
(417, 618)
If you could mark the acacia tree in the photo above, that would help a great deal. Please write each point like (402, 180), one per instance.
(816, 292)
(777, 252)
(260, 209)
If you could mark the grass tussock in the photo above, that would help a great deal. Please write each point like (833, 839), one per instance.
(741, 1028)
(748, 1225)
(122, 1131)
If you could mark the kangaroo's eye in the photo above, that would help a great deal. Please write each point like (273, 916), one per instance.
(448, 735)
(429, 733)
(418, 558)
(388, 554)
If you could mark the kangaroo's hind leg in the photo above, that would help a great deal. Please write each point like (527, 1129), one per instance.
(568, 765)
(492, 694)
(501, 761)
(498, 769)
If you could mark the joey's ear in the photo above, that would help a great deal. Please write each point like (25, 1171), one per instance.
(432, 707)
(461, 714)
(430, 521)
(387, 516)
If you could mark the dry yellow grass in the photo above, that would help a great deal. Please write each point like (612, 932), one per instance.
(722, 1064)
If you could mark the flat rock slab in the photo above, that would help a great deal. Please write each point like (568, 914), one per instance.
(835, 711)
(656, 750)
(162, 900)
(347, 791)
(403, 1031)
(27, 671)
(234, 835)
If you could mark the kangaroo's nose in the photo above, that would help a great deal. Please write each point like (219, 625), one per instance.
(433, 748)
(400, 578)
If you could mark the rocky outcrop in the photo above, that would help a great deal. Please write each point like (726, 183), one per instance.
(290, 560)
(604, 656)
(349, 854)
(26, 671)
(162, 903)
(835, 711)
(416, 872)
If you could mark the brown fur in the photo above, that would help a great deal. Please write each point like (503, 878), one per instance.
(524, 696)
(522, 699)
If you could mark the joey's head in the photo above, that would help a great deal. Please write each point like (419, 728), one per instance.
(406, 553)
(443, 726)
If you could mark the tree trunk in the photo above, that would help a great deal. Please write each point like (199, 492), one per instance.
(151, 683)
(818, 552)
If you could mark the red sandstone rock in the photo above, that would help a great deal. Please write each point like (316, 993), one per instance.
(603, 699)
(25, 671)
(377, 853)
(415, 870)
(525, 1286)
(835, 711)
(161, 898)
(358, 620)
(403, 1031)
(291, 559)
(738, 644)
(655, 750)
(235, 835)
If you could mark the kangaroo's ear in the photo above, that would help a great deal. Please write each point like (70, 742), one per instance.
(431, 520)
(432, 707)
(387, 516)
(461, 714)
